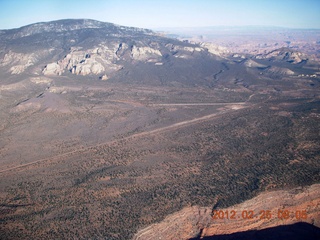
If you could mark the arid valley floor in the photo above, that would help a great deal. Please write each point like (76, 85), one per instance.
(106, 131)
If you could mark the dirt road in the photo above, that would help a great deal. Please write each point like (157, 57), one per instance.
(141, 134)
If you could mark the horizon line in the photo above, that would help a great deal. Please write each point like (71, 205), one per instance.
(173, 28)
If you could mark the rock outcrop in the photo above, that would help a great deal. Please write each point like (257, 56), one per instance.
(102, 60)
(144, 53)
(19, 62)
(216, 49)
(252, 64)
(270, 209)
(280, 71)
(285, 54)
(84, 62)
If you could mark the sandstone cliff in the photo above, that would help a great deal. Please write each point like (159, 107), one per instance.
(198, 221)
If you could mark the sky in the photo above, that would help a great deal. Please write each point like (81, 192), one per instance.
(165, 13)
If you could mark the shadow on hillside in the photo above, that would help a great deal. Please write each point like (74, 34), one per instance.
(297, 231)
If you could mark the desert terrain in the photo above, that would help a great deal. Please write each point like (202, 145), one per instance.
(106, 131)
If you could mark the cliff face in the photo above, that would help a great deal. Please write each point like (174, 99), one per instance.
(269, 209)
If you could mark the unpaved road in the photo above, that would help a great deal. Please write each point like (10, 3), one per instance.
(196, 104)
(141, 134)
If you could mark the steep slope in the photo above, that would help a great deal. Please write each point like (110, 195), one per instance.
(88, 47)
(269, 209)
(285, 54)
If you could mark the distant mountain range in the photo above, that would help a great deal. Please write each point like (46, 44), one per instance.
(105, 50)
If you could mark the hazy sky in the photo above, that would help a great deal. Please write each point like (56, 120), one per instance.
(165, 13)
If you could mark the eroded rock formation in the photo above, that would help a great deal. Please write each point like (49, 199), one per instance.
(270, 209)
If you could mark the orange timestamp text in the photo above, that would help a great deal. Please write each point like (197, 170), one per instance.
(262, 214)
